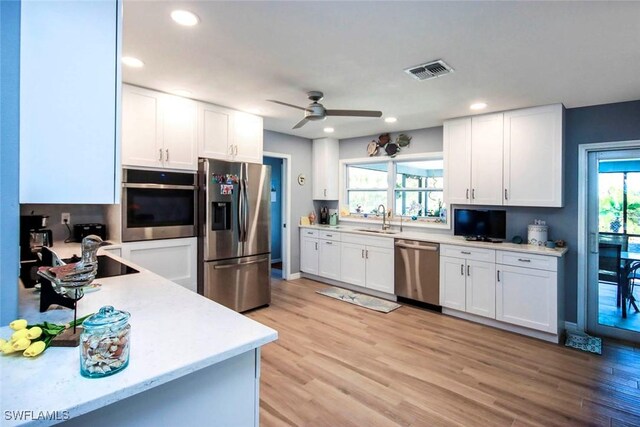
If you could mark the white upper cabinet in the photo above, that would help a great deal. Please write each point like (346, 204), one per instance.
(214, 131)
(486, 159)
(179, 131)
(325, 169)
(513, 158)
(457, 156)
(158, 130)
(69, 102)
(533, 156)
(247, 137)
(141, 130)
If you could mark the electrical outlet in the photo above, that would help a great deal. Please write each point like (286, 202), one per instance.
(65, 218)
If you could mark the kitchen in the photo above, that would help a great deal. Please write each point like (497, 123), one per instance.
(170, 132)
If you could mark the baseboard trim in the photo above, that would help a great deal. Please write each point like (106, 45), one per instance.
(294, 276)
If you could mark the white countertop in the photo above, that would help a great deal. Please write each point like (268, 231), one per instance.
(174, 332)
(443, 239)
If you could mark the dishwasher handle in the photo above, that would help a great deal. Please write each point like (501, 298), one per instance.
(418, 247)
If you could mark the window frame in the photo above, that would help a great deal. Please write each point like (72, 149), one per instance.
(391, 190)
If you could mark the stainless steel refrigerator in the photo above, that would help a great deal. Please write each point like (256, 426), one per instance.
(234, 237)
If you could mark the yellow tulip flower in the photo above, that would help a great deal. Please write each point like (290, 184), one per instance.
(7, 348)
(34, 349)
(2, 342)
(16, 325)
(22, 333)
(21, 344)
(34, 332)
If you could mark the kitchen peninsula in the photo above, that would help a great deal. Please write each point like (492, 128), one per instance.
(192, 360)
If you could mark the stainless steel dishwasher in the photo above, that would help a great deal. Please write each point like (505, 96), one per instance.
(417, 271)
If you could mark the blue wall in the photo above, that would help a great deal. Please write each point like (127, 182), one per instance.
(9, 158)
(276, 207)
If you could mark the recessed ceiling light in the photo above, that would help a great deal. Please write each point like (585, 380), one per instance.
(478, 106)
(181, 92)
(132, 62)
(256, 111)
(184, 17)
(390, 119)
(329, 130)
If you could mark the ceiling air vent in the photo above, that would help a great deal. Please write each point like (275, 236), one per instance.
(430, 70)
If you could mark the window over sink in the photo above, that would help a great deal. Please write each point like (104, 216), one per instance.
(408, 186)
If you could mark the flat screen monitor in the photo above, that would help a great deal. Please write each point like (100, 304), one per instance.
(487, 224)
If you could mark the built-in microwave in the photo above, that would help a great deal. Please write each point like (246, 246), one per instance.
(158, 204)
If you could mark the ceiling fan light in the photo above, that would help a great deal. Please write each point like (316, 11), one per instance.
(478, 106)
(329, 130)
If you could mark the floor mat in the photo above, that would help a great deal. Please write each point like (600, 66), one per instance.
(584, 342)
(366, 301)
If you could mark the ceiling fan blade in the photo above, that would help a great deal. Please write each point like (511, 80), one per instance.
(354, 113)
(287, 105)
(301, 123)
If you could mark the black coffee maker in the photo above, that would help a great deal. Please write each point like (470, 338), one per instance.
(33, 237)
(324, 215)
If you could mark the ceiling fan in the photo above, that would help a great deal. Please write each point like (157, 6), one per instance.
(316, 111)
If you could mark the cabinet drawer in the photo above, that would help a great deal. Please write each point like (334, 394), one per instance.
(519, 259)
(380, 242)
(329, 235)
(308, 232)
(465, 252)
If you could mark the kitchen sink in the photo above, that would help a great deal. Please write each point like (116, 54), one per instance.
(377, 231)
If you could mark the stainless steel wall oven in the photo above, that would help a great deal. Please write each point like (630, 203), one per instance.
(158, 204)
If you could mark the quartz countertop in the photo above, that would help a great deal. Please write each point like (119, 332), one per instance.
(442, 239)
(174, 332)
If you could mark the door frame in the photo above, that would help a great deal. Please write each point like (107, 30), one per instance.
(583, 227)
(286, 212)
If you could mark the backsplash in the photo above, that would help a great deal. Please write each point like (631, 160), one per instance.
(79, 214)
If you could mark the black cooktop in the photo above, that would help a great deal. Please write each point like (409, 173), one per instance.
(107, 266)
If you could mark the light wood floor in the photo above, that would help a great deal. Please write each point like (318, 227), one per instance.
(336, 364)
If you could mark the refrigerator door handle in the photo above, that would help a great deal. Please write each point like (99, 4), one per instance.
(241, 230)
(245, 213)
(240, 264)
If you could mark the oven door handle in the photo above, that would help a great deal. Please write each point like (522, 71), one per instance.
(160, 186)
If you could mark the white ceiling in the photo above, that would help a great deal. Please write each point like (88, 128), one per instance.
(508, 54)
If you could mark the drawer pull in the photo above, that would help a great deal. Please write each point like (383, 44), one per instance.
(329, 235)
(465, 253)
(329, 243)
(524, 260)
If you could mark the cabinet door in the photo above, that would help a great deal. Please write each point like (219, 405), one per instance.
(309, 255)
(179, 125)
(214, 132)
(141, 129)
(69, 101)
(353, 266)
(533, 156)
(486, 159)
(481, 288)
(173, 259)
(325, 169)
(247, 138)
(527, 297)
(452, 283)
(379, 269)
(329, 259)
(457, 161)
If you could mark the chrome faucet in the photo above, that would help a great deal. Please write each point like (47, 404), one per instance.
(385, 226)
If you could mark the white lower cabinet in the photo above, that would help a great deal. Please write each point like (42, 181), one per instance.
(173, 259)
(467, 280)
(329, 259)
(353, 268)
(309, 254)
(527, 297)
(379, 269)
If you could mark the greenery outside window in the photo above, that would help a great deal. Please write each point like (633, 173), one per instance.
(366, 187)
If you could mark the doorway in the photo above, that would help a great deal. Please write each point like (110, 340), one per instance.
(280, 209)
(611, 201)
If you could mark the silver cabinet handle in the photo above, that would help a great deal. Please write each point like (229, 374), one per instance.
(167, 150)
(329, 235)
(316, 246)
(465, 253)
(363, 253)
(231, 150)
(160, 154)
(506, 194)
(462, 269)
(468, 270)
(325, 192)
(310, 233)
(524, 260)
(329, 243)
(473, 193)
(366, 254)
(467, 196)
(235, 150)
(498, 275)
